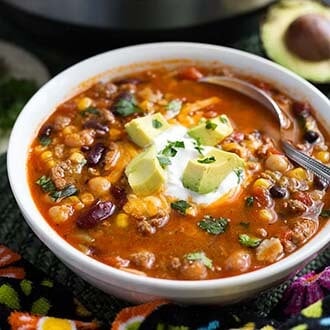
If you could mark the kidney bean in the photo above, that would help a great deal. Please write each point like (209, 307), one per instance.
(319, 183)
(46, 131)
(311, 136)
(301, 109)
(96, 214)
(99, 127)
(96, 154)
(119, 194)
(277, 192)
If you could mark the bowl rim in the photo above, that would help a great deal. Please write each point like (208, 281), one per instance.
(67, 252)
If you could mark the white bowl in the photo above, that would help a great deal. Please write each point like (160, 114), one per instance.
(122, 284)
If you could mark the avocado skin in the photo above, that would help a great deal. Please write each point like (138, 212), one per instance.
(273, 31)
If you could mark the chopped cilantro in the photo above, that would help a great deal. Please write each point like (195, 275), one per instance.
(249, 241)
(249, 201)
(90, 110)
(164, 161)
(223, 119)
(46, 184)
(239, 173)
(65, 192)
(198, 146)
(213, 225)
(207, 160)
(45, 140)
(325, 213)
(174, 106)
(170, 149)
(125, 105)
(200, 256)
(210, 125)
(181, 206)
(156, 123)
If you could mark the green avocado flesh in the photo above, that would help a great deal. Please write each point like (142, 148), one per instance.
(273, 31)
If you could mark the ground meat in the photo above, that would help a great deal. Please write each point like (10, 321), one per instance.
(60, 174)
(193, 270)
(269, 250)
(175, 263)
(145, 227)
(303, 229)
(112, 156)
(59, 150)
(144, 259)
(107, 115)
(61, 121)
(83, 138)
(295, 206)
(238, 261)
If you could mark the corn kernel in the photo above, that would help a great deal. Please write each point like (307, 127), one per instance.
(39, 149)
(79, 206)
(46, 155)
(84, 103)
(122, 220)
(323, 156)
(298, 173)
(262, 183)
(87, 198)
(51, 163)
(114, 134)
(146, 106)
(266, 215)
(77, 157)
(72, 200)
(69, 130)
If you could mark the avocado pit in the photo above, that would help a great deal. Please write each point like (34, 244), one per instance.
(308, 37)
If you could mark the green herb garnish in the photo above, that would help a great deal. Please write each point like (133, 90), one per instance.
(214, 226)
(181, 206)
(223, 119)
(249, 201)
(200, 256)
(170, 149)
(156, 123)
(249, 241)
(198, 146)
(164, 161)
(174, 106)
(239, 173)
(207, 160)
(45, 140)
(46, 184)
(90, 110)
(65, 192)
(325, 213)
(210, 125)
(126, 105)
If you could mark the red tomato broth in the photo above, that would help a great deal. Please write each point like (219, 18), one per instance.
(181, 235)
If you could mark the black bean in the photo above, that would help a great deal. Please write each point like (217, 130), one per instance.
(46, 131)
(319, 183)
(277, 191)
(311, 136)
(95, 124)
(119, 194)
(301, 109)
(96, 154)
(96, 214)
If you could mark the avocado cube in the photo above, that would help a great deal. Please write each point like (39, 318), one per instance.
(212, 131)
(144, 173)
(143, 130)
(205, 174)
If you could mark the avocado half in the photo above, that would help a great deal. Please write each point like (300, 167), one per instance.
(273, 36)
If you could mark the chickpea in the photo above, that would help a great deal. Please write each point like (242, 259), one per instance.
(238, 261)
(99, 185)
(195, 270)
(277, 163)
(60, 213)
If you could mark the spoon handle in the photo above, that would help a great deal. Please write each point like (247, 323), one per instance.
(307, 162)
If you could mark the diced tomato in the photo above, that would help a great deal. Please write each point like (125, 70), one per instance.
(190, 73)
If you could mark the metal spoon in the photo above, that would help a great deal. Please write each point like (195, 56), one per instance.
(262, 97)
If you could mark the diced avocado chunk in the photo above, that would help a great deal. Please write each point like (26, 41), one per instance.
(144, 173)
(143, 130)
(205, 174)
(211, 131)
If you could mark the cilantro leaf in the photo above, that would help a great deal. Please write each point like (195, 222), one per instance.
(180, 206)
(45, 140)
(170, 149)
(325, 213)
(210, 125)
(214, 226)
(90, 110)
(46, 184)
(207, 160)
(156, 123)
(249, 241)
(239, 173)
(200, 256)
(125, 105)
(198, 146)
(249, 201)
(223, 119)
(65, 192)
(174, 106)
(164, 161)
